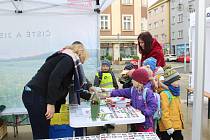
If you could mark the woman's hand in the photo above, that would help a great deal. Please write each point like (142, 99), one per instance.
(50, 111)
(92, 89)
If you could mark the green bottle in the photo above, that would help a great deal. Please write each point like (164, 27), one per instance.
(95, 107)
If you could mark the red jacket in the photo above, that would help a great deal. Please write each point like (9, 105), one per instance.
(156, 52)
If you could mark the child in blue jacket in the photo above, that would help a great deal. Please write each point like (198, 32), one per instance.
(141, 83)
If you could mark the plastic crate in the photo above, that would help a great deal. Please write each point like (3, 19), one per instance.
(3, 129)
(61, 131)
(60, 119)
(64, 108)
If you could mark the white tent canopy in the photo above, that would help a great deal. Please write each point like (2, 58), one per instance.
(52, 6)
(31, 30)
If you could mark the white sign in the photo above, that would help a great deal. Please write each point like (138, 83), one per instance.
(23, 36)
(27, 40)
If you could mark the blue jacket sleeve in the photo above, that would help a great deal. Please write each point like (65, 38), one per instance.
(122, 93)
(151, 104)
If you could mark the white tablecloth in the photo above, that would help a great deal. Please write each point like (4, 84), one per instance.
(80, 116)
(118, 136)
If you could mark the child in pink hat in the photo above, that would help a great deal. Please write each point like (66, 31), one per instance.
(148, 106)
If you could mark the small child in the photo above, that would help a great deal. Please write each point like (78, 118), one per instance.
(159, 78)
(171, 122)
(151, 62)
(125, 79)
(141, 83)
(105, 77)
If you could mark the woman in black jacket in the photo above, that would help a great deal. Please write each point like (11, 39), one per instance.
(49, 87)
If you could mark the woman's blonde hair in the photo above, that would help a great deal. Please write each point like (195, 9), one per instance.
(79, 49)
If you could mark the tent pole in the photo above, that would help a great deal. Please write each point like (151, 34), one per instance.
(199, 70)
(97, 10)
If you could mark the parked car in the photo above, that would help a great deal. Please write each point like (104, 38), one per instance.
(181, 59)
(170, 57)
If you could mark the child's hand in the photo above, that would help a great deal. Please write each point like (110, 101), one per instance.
(103, 89)
(170, 131)
(109, 100)
(92, 89)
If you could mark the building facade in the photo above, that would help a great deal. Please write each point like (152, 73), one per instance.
(180, 21)
(159, 22)
(120, 25)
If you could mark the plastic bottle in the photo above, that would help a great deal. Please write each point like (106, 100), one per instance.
(95, 107)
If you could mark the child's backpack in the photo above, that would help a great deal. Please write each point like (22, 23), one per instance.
(157, 114)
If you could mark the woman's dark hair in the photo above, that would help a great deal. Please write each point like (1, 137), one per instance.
(147, 38)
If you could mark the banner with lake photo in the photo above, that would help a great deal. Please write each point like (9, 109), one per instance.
(26, 40)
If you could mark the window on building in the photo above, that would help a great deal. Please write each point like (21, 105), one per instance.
(173, 36)
(144, 3)
(156, 36)
(162, 21)
(150, 26)
(127, 2)
(127, 50)
(150, 13)
(156, 10)
(156, 24)
(163, 37)
(173, 20)
(180, 18)
(105, 22)
(144, 24)
(106, 49)
(127, 22)
(180, 34)
(162, 8)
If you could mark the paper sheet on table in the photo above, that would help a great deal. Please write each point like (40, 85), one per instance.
(105, 110)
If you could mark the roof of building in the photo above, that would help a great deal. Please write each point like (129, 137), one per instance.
(159, 2)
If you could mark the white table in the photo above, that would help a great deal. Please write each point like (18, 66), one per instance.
(118, 136)
(80, 117)
(14, 112)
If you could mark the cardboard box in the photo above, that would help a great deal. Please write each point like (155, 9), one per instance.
(60, 119)
(3, 129)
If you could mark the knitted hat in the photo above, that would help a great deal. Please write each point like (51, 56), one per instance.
(159, 71)
(151, 61)
(127, 68)
(171, 75)
(106, 62)
(140, 75)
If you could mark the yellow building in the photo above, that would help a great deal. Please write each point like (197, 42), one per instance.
(121, 23)
(159, 22)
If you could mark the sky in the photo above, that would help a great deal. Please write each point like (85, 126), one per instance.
(150, 2)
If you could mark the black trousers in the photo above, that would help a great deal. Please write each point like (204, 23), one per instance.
(177, 135)
(36, 106)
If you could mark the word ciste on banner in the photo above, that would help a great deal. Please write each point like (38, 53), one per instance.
(27, 34)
